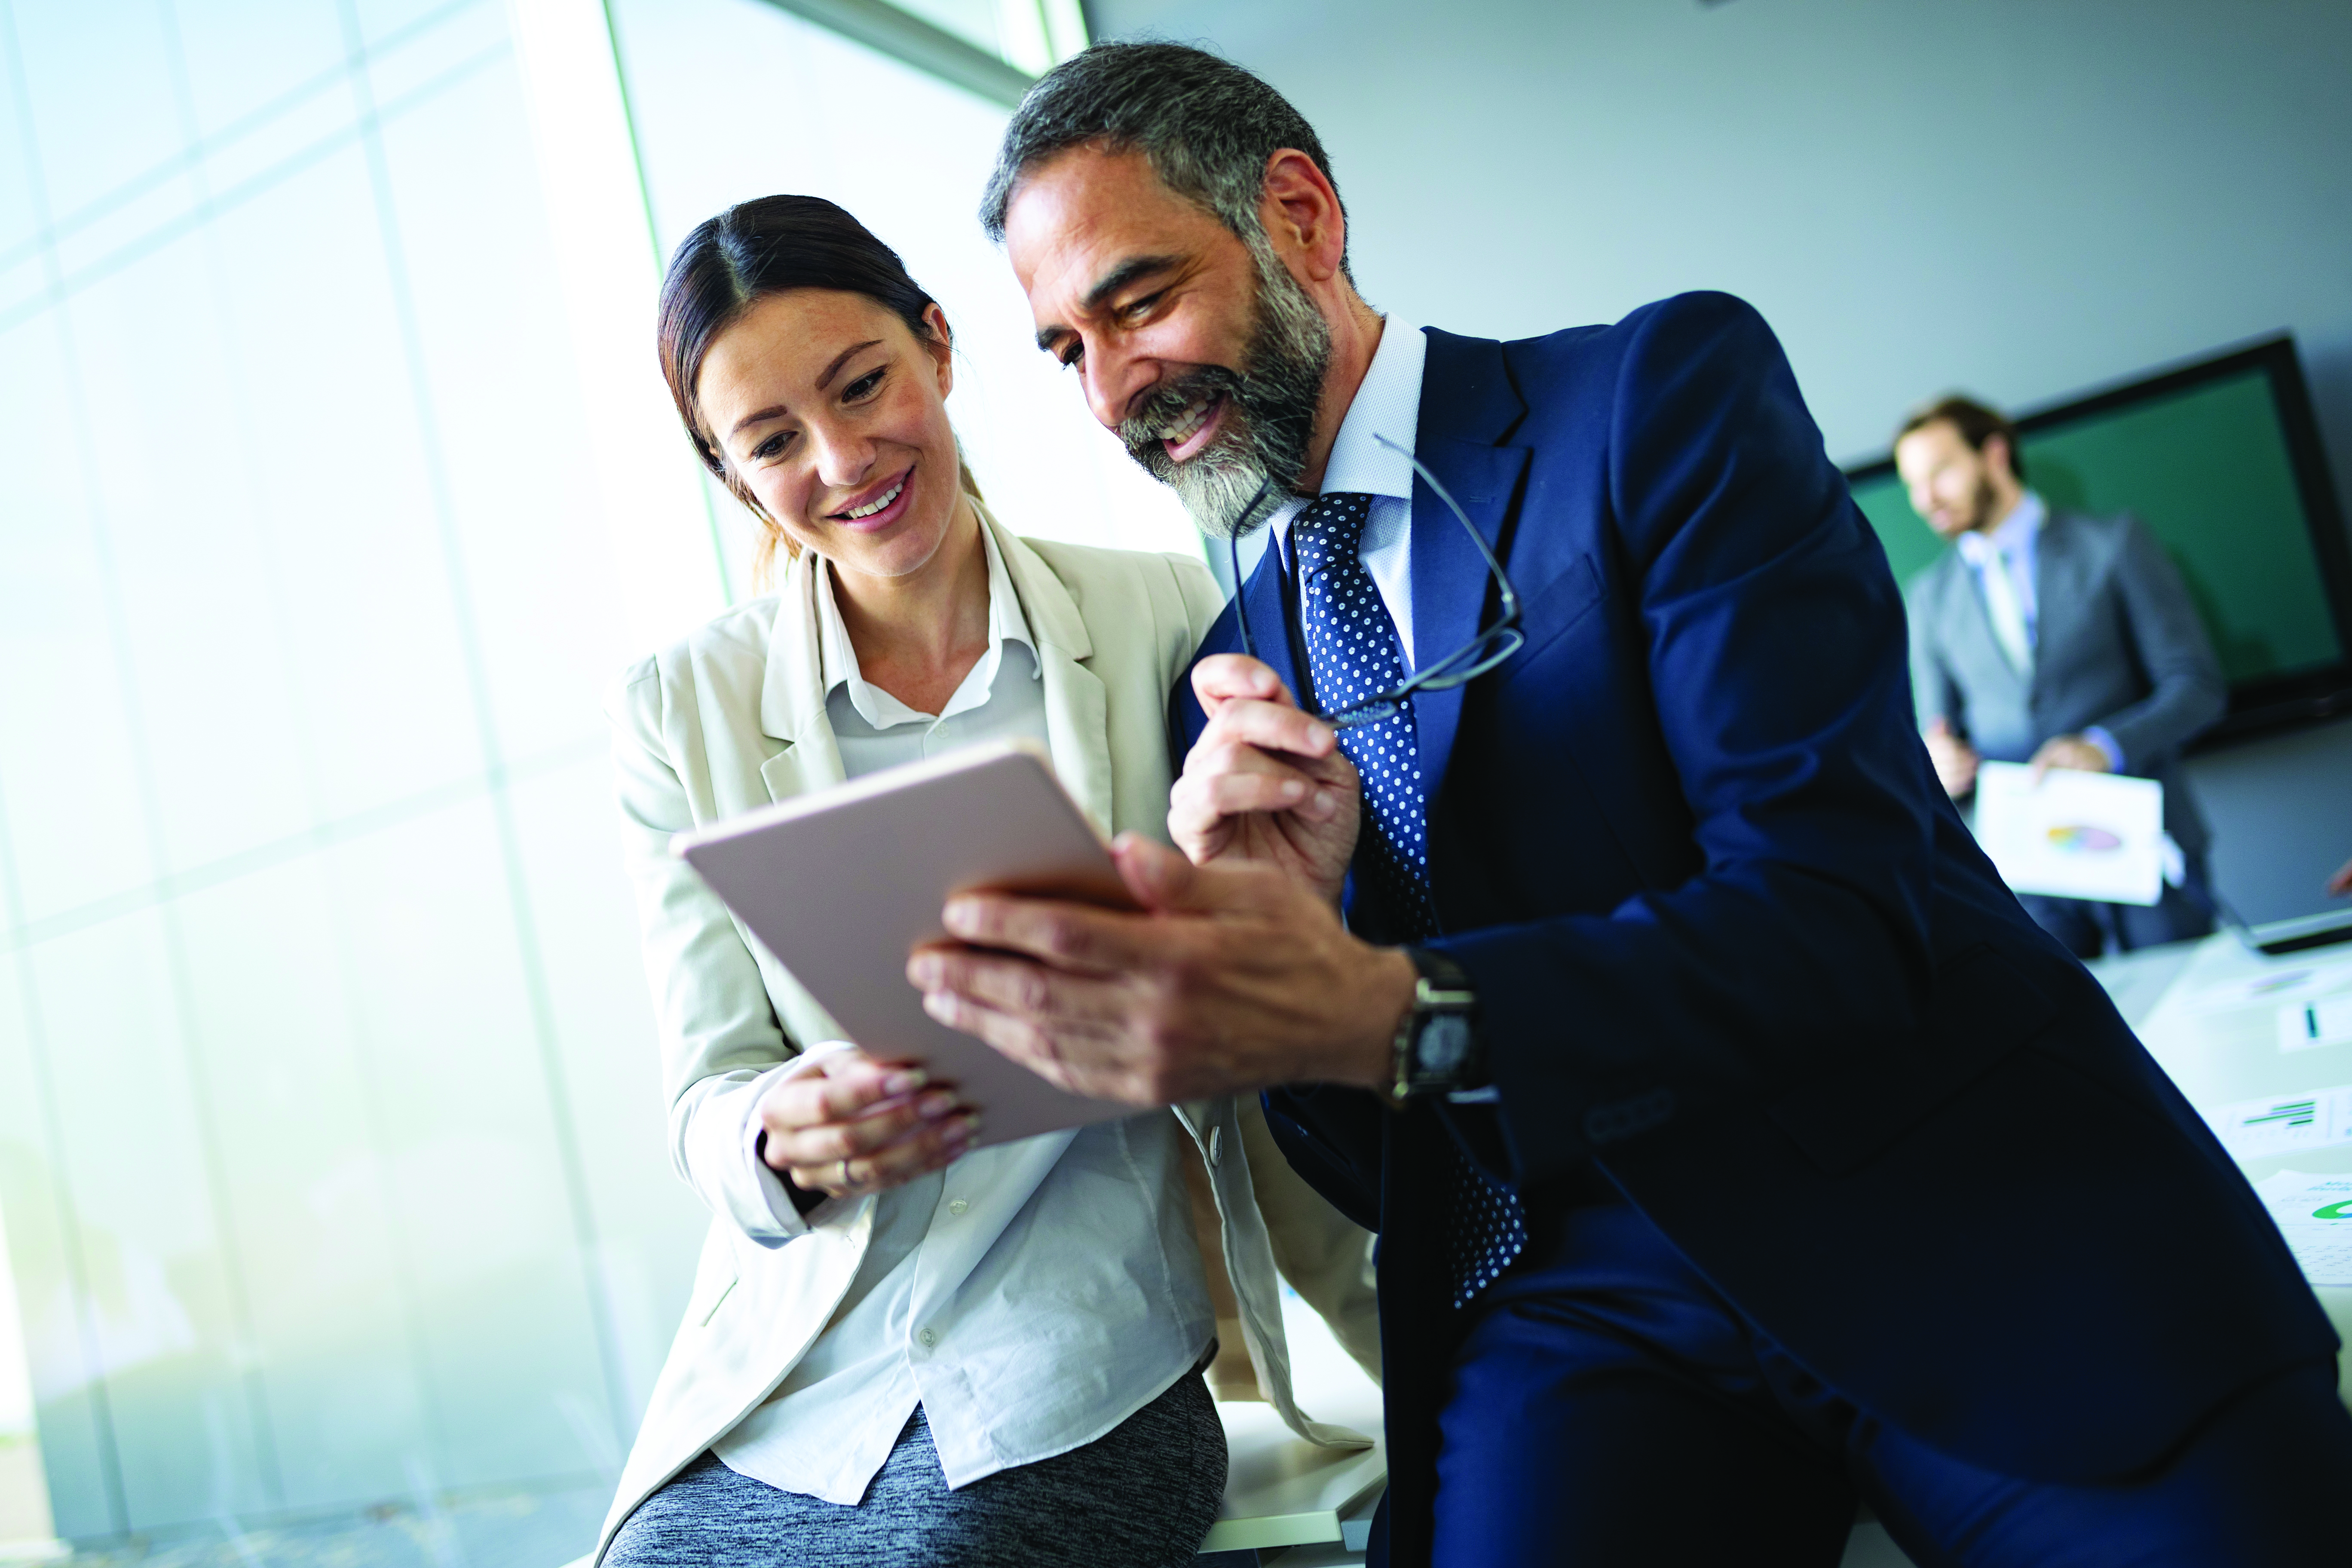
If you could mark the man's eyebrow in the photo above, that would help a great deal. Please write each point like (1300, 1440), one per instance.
(1124, 274)
(821, 382)
(1120, 277)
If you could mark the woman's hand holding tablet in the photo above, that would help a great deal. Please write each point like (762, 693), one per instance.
(845, 1124)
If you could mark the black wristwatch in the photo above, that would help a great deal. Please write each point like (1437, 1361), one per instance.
(1437, 1050)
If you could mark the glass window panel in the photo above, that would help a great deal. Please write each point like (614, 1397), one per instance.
(650, 1224)
(448, 1033)
(244, 57)
(102, 103)
(66, 762)
(162, 1301)
(298, 1123)
(478, 261)
(384, 702)
(216, 733)
(18, 222)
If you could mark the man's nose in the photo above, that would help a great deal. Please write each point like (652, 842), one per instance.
(1113, 380)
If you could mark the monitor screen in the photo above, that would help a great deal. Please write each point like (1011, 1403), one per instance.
(2222, 460)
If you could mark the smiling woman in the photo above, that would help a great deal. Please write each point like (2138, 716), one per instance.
(901, 1347)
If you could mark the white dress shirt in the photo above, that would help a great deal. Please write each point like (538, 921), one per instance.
(1031, 1296)
(1387, 402)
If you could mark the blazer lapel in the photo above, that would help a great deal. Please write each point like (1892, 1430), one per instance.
(792, 694)
(1466, 405)
(1077, 706)
(2061, 587)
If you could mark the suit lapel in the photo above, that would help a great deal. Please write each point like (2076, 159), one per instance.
(1468, 405)
(2061, 585)
(792, 693)
(1077, 705)
(1265, 600)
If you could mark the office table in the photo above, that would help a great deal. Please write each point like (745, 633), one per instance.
(2209, 1012)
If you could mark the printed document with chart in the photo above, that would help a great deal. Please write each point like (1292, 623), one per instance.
(2072, 835)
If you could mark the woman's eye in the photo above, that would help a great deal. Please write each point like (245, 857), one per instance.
(773, 445)
(863, 387)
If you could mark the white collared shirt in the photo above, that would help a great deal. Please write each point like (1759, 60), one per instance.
(1030, 1297)
(1387, 402)
(875, 730)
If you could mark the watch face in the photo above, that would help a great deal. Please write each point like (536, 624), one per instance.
(1442, 1047)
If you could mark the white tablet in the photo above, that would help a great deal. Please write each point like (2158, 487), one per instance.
(842, 884)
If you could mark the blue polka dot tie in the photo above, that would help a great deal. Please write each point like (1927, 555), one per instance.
(1352, 654)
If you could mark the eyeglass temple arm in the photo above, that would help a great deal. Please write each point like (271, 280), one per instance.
(1511, 599)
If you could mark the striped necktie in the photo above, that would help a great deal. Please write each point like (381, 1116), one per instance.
(1352, 654)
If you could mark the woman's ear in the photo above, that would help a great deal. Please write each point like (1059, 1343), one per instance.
(941, 345)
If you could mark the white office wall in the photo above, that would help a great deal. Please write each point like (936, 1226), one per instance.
(2013, 196)
(734, 99)
(330, 1145)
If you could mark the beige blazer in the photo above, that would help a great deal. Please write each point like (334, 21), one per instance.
(734, 717)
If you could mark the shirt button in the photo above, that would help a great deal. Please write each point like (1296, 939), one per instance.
(1216, 1143)
(957, 1205)
(928, 1339)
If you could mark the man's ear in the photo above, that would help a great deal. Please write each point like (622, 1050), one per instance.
(1300, 209)
(1998, 456)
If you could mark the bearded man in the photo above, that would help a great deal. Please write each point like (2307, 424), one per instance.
(1737, 1146)
(2059, 638)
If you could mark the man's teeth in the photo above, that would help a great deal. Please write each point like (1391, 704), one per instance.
(1188, 423)
(858, 511)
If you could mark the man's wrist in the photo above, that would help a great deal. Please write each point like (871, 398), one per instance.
(1395, 983)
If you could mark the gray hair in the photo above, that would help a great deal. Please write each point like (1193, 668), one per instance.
(1207, 125)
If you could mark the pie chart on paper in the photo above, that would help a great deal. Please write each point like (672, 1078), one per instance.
(2081, 839)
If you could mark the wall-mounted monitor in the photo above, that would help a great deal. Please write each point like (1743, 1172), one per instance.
(2222, 460)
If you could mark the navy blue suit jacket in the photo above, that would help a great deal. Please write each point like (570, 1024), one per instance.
(1737, 954)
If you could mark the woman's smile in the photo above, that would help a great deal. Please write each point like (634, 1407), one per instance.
(877, 506)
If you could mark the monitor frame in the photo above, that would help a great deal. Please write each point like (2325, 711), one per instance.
(2278, 702)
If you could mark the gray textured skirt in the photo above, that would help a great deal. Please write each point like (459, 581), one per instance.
(1141, 1496)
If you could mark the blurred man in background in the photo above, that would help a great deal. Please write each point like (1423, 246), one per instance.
(2057, 639)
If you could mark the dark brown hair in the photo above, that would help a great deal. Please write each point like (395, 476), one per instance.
(1975, 423)
(745, 254)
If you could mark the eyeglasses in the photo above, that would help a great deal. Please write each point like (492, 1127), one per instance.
(1474, 658)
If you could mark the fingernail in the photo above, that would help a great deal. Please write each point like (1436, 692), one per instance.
(1292, 789)
(967, 1130)
(905, 1082)
(1325, 802)
(939, 1006)
(961, 916)
(936, 1104)
(923, 970)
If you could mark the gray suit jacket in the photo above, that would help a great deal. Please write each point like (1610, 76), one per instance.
(2119, 644)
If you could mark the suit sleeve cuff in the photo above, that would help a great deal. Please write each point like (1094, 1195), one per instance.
(2098, 736)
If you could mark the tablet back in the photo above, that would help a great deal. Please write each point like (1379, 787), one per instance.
(841, 886)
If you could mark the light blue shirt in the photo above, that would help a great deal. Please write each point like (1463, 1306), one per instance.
(2012, 543)
(1033, 1294)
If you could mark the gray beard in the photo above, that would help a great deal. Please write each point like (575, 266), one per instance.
(1269, 417)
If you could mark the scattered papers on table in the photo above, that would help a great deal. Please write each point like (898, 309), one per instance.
(2283, 1123)
(2074, 835)
(2315, 1214)
(2321, 1021)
